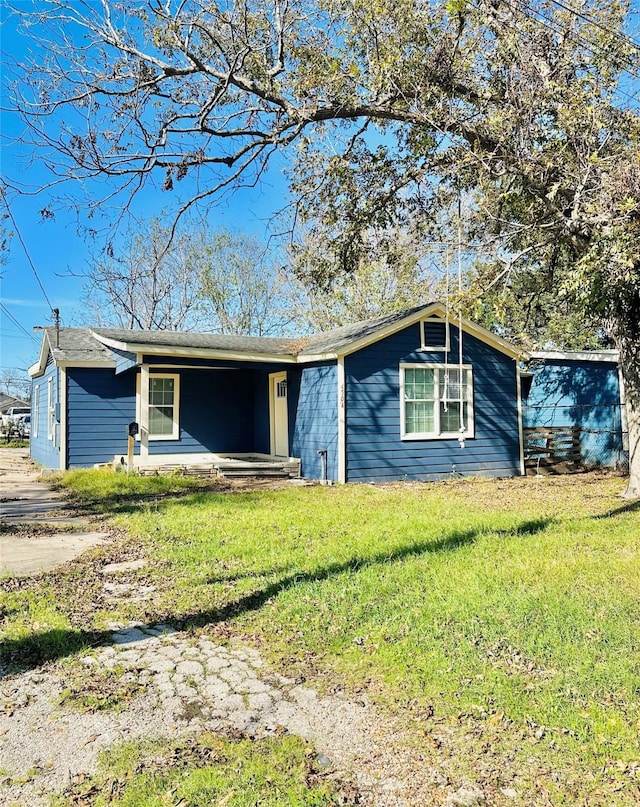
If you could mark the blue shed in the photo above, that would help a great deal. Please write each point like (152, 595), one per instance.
(581, 391)
(404, 396)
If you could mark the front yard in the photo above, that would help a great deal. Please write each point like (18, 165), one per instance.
(499, 619)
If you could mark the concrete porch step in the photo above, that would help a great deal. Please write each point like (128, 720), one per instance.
(230, 469)
(240, 468)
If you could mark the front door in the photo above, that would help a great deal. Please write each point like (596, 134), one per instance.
(278, 414)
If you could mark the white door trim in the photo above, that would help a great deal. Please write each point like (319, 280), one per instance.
(279, 431)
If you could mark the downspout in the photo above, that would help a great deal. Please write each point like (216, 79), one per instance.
(323, 465)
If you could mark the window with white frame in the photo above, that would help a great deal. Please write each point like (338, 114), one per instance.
(163, 403)
(51, 412)
(36, 411)
(431, 397)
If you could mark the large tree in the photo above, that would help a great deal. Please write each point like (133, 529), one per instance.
(243, 289)
(395, 272)
(144, 282)
(392, 109)
(199, 279)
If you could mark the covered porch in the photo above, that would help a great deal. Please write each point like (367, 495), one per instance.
(230, 419)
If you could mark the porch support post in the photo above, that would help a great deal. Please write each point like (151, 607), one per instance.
(144, 414)
(342, 422)
(520, 429)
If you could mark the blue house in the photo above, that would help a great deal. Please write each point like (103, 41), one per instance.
(393, 398)
(581, 391)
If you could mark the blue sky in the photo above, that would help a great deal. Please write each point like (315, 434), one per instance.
(56, 247)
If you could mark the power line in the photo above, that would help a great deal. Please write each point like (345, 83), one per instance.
(583, 16)
(593, 48)
(26, 252)
(16, 322)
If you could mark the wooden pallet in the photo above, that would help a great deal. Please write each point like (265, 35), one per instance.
(552, 449)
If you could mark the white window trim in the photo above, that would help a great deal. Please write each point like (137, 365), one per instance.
(435, 348)
(175, 435)
(469, 431)
(36, 411)
(50, 410)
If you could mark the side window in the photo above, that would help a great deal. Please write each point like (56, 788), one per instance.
(36, 411)
(51, 413)
(435, 401)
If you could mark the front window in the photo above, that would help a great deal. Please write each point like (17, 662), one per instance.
(163, 406)
(432, 397)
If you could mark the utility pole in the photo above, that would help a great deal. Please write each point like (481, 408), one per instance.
(56, 319)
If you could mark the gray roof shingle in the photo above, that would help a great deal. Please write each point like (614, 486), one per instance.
(334, 340)
(76, 344)
(207, 341)
(81, 344)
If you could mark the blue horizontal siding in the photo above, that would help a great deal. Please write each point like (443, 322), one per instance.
(220, 411)
(375, 450)
(316, 420)
(44, 451)
(100, 405)
(216, 413)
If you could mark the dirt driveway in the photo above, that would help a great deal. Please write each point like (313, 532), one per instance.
(36, 534)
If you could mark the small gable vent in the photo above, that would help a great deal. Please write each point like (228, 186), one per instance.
(434, 335)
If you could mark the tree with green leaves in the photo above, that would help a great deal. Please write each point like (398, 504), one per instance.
(401, 273)
(243, 289)
(391, 111)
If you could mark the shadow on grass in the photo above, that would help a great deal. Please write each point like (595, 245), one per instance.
(118, 502)
(630, 507)
(35, 650)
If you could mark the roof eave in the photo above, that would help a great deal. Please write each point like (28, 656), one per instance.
(390, 329)
(434, 309)
(175, 351)
(37, 369)
(577, 355)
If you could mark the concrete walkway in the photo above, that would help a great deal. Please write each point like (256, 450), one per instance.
(34, 535)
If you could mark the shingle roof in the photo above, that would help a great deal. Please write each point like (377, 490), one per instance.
(76, 344)
(83, 344)
(207, 341)
(332, 341)
(7, 401)
(327, 342)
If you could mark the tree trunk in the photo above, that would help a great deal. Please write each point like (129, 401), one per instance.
(627, 338)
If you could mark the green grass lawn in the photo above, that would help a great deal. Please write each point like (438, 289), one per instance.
(207, 770)
(506, 611)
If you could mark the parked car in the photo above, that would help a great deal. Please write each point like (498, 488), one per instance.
(23, 424)
(10, 418)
